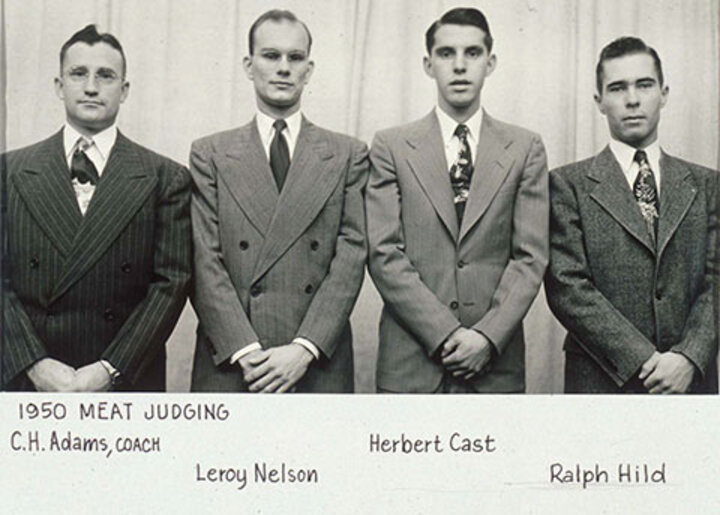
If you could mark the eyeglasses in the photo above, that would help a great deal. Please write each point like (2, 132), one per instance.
(102, 76)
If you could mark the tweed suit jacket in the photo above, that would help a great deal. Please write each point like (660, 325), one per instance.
(435, 275)
(269, 266)
(107, 285)
(620, 296)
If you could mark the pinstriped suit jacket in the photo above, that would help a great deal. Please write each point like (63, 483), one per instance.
(434, 274)
(620, 296)
(107, 285)
(272, 266)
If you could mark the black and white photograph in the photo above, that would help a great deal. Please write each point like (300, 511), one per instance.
(343, 201)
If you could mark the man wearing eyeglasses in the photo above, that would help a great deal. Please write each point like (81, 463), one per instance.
(279, 234)
(96, 248)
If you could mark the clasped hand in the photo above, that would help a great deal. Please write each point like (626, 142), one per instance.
(277, 369)
(466, 353)
(51, 375)
(667, 372)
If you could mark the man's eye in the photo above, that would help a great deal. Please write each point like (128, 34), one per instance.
(78, 74)
(296, 57)
(273, 56)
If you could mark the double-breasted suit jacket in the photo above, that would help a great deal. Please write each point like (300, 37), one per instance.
(107, 285)
(273, 266)
(622, 296)
(436, 275)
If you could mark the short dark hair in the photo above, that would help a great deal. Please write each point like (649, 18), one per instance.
(626, 46)
(276, 15)
(460, 16)
(91, 36)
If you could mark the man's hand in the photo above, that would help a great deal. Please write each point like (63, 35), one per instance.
(278, 369)
(51, 375)
(92, 378)
(667, 372)
(466, 353)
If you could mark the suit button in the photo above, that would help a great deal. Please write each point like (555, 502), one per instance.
(244, 245)
(461, 263)
(255, 290)
(309, 288)
(109, 315)
(454, 305)
(314, 245)
(51, 313)
(34, 262)
(126, 267)
(658, 294)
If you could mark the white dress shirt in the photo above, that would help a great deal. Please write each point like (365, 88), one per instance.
(452, 142)
(625, 156)
(267, 133)
(98, 152)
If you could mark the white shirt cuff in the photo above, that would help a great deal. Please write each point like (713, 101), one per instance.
(245, 350)
(310, 346)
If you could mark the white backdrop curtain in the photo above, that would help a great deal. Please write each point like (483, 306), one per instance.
(185, 68)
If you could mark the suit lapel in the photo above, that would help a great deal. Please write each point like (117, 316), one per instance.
(123, 188)
(677, 193)
(492, 164)
(614, 195)
(246, 172)
(427, 161)
(312, 177)
(46, 188)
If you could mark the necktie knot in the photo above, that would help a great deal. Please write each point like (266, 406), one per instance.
(461, 131)
(640, 157)
(81, 167)
(279, 125)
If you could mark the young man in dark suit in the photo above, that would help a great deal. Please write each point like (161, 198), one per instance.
(279, 231)
(457, 210)
(634, 265)
(97, 242)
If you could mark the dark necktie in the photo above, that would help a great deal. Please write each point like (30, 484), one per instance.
(645, 191)
(279, 154)
(461, 172)
(81, 168)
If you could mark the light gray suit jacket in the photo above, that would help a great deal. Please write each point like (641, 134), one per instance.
(269, 266)
(435, 275)
(620, 296)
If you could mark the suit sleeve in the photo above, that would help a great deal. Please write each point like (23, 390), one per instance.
(214, 297)
(523, 274)
(699, 342)
(20, 346)
(330, 308)
(613, 341)
(398, 281)
(149, 325)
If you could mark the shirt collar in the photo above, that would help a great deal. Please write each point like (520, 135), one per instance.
(265, 127)
(448, 125)
(104, 140)
(625, 155)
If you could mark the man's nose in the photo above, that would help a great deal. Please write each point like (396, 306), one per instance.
(91, 84)
(631, 97)
(283, 66)
(459, 64)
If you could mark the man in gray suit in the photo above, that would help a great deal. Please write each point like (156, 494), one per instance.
(279, 231)
(457, 210)
(96, 249)
(634, 265)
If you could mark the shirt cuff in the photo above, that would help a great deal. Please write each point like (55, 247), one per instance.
(310, 346)
(245, 350)
(113, 372)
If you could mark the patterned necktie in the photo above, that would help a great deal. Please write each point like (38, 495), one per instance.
(279, 154)
(461, 171)
(81, 168)
(645, 191)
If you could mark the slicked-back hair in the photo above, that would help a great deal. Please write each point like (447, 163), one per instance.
(276, 15)
(626, 46)
(460, 16)
(91, 36)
